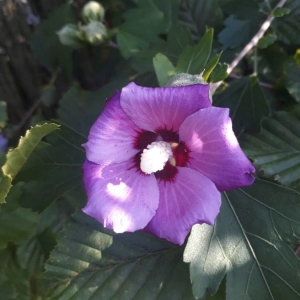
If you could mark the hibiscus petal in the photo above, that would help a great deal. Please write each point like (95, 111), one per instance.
(214, 149)
(189, 199)
(156, 108)
(119, 196)
(111, 138)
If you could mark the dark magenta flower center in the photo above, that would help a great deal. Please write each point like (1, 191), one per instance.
(180, 153)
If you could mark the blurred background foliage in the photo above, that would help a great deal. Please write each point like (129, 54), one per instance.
(59, 62)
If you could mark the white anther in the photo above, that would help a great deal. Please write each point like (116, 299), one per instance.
(155, 157)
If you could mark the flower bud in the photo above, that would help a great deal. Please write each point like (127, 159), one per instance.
(69, 35)
(94, 32)
(93, 11)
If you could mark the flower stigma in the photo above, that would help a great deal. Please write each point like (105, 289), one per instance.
(155, 157)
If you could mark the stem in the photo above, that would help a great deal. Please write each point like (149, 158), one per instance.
(263, 84)
(255, 61)
(27, 115)
(264, 27)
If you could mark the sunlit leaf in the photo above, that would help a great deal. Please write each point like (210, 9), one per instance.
(249, 245)
(17, 157)
(91, 261)
(164, 69)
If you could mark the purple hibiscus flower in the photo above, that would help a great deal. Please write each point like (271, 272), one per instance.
(158, 158)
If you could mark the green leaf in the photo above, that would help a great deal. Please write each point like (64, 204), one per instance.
(287, 27)
(281, 11)
(3, 114)
(193, 58)
(275, 151)
(197, 14)
(79, 109)
(210, 66)
(177, 40)
(248, 244)
(164, 69)
(142, 27)
(236, 33)
(45, 42)
(247, 104)
(54, 170)
(292, 71)
(17, 157)
(16, 223)
(266, 41)
(5, 186)
(14, 282)
(90, 261)
(219, 73)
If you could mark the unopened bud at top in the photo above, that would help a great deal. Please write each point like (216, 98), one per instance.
(93, 11)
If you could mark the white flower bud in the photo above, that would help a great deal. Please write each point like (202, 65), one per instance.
(93, 11)
(94, 32)
(69, 35)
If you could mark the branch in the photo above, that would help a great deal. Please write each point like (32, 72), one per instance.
(264, 27)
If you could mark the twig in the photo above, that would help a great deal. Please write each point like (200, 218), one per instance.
(28, 114)
(264, 84)
(264, 27)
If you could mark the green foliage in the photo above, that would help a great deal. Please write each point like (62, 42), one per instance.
(235, 33)
(247, 104)
(3, 114)
(211, 66)
(45, 42)
(16, 223)
(164, 69)
(266, 41)
(79, 108)
(155, 18)
(54, 170)
(193, 58)
(275, 151)
(292, 80)
(219, 73)
(281, 11)
(16, 158)
(90, 260)
(248, 253)
(287, 27)
(196, 14)
(249, 244)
